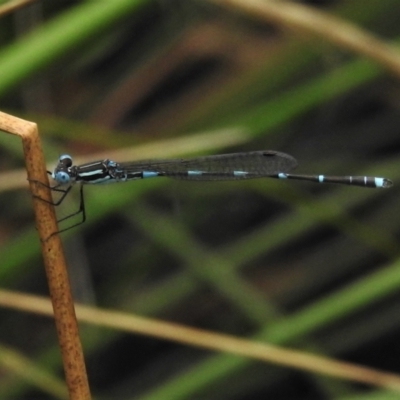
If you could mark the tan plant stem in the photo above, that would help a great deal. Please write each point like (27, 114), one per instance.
(309, 20)
(249, 348)
(53, 256)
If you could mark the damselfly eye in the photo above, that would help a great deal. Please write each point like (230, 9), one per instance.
(66, 160)
(62, 177)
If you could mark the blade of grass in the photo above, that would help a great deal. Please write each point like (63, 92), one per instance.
(58, 36)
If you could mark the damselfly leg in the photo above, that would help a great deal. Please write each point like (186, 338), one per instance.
(59, 189)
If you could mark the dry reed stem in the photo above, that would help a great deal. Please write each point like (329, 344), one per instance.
(209, 340)
(310, 20)
(54, 261)
(14, 5)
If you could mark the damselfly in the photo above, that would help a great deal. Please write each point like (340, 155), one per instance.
(235, 166)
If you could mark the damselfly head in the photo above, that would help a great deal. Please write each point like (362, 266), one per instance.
(65, 160)
(61, 173)
(61, 177)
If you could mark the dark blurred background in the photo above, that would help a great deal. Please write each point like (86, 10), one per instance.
(308, 266)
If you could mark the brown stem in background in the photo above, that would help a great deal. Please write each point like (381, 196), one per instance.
(327, 26)
(14, 5)
(250, 348)
(54, 260)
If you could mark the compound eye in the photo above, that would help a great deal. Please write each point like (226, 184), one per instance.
(66, 160)
(62, 177)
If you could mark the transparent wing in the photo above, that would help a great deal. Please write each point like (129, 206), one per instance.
(218, 167)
